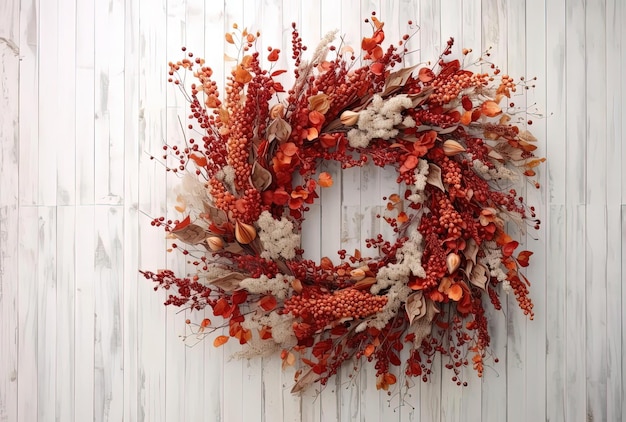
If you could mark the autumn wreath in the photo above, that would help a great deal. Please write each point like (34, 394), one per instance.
(250, 174)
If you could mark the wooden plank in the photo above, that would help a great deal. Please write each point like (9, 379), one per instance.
(65, 248)
(494, 383)
(109, 102)
(183, 395)
(151, 343)
(576, 130)
(9, 228)
(47, 311)
(555, 315)
(65, 111)
(556, 106)
(614, 183)
(108, 266)
(28, 106)
(623, 293)
(150, 328)
(48, 124)
(28, 315)
(596, 214)
(85, 103)
(84, 314)
(575, 311)
(213, 51)
(556, 344)
(132, 277)
(535, 240)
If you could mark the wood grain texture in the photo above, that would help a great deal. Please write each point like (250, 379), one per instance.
(85, 103)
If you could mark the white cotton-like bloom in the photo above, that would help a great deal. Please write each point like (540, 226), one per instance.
(493, 260)
(281, 326)
(412, 251)
(380, 120)
(396, 296)
(408, 122)
(418, 190)
(192, 193)
(500, 172)
(278, 286)
(227, 176)
(506, 286)
(278, 237)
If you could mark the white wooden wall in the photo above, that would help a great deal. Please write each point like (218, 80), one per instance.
(85, 101)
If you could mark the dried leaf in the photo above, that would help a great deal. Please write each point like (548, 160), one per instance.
(490, 108)
(525, 135)
(288, 360)
(192, 234)
(260, 178)
(220, 340)
(396, 80)
(325, 180)
(304, 381)
(478, 277)
(415, 306)
(365, 283)
(216, 215)
(434, 176)
(279, 129)
(268, 303)
(522, 258)
(181, 225)
(229, 282)
(471, 250)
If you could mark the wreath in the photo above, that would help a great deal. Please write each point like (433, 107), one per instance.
(250, 174)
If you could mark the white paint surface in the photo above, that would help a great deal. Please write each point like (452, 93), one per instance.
(84, 102)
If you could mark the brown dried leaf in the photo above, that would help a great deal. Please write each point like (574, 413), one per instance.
(396, 80)
(279, 129)
(229, 282)
(434, 176)
(471, 250)
(304, 381)
(260, 178)
(216, 215)
(478, 277)
(192, 234)
(525, 135)
(365, 283)
(415, 306)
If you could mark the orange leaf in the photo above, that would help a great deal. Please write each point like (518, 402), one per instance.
(289, 149)
(273, 56)
(466, 118)
(490, 108)
(229, 38)
(402, 217)
(316, 118)
(325, 180)
(278, 72)
(311, 133)
(425, 75)
(242, 75)
(409, 164)
(509, 248)
(377, 68)
(268, 303)
(182, 224)
(369, 350)
(523, 257)
(220, 340)
(455, 292)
